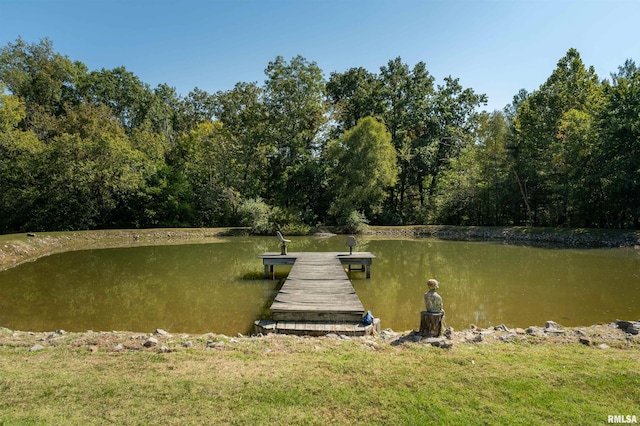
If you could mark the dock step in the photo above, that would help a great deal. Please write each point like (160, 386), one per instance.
(316, 328)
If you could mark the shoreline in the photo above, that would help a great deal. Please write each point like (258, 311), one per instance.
(19, 248)
(618, 335)
(556, 237)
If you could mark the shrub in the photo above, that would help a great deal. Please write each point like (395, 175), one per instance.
(354, 222)
(256, 214)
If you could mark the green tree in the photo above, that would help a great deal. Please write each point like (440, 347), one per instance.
(455, 121)
(539, 150)
(121, 91)
(353, 95)
(244, 114)
(164, 112)
(198, 107)
(408, 96)
(294, 98)
(619, 156)
(477, 188)
(363, 168)
(93, 173)
(208, 156)
(44, 79)
(20, 167)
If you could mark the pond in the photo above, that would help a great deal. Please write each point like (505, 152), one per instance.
(218, 287)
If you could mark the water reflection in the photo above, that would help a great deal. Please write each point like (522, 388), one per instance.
(219, 287)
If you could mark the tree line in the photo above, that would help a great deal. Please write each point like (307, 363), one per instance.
(83, 149)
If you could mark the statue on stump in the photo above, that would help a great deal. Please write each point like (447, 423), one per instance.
(432, 300)
(431, 319)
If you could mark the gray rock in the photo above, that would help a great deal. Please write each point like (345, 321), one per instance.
(60, 332)
(511, 337)
(36, 348)
(164, 349)
(119, 347)
(623, 325)
(151, 341)
(501, 327)
(435, 341)
(532, 331)
(474, 338)
(552, 325)
(633, 330)
(604, 346)
(448, 333)
(389, 334)
(161, 332)
(585, 340)
(188, 344)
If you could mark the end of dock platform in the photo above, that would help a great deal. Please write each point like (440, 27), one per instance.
(317, 328)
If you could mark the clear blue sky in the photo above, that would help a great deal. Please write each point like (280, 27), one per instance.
(495, 47)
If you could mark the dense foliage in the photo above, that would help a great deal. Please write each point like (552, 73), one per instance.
(84, 149)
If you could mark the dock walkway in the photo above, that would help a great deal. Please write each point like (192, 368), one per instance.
(317, 296)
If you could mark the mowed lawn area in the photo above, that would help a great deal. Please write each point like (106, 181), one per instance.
(98, 378)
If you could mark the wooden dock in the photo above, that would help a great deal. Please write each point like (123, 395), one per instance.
(317, 296)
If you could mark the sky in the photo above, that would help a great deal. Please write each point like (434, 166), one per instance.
(496, 47)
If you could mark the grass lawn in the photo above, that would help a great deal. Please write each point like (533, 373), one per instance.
(80, 379)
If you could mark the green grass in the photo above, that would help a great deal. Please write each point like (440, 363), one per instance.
(287, 380)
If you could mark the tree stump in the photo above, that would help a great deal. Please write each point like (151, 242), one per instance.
(431, 324)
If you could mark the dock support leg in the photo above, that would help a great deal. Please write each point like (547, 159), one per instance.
(367, 268)
(266, 271)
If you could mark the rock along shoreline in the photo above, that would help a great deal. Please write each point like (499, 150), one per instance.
(621, 334)
(569, 238)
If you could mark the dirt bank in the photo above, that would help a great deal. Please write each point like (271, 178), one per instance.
(19, 248)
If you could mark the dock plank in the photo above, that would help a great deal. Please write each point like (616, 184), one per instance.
(317, 297)
(317, 288)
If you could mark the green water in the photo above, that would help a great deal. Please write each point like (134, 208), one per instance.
(219, 288)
